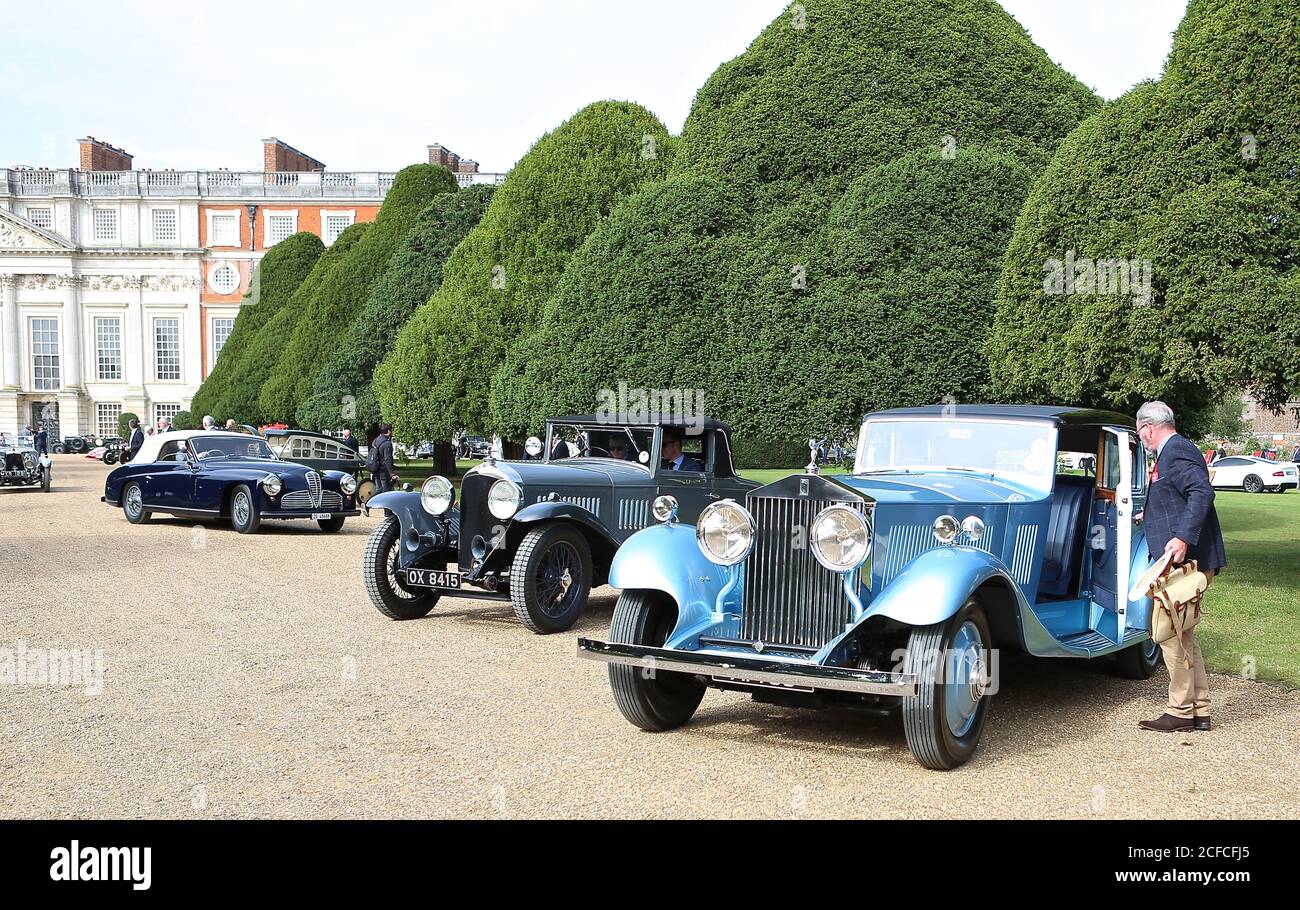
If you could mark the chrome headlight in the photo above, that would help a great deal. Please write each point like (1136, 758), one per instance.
(973, 525)
(664, 508)
(348, 484)
(504, 498)
(272, 484)
(840, 538)
(725, 532)
(946, 529)
(437, 495)
(29, 460)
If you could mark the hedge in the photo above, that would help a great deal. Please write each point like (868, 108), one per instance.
(413, 274)
(436, 379)
(124, 424)
(268, 343)
(1191, 181)
(333, 305)
(276, 278)
(819, 239)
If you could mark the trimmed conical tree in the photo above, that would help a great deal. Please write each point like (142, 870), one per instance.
(826, 178)
(278, 275)
(336, 302)
(1157, 257)
(262, 351)
(436, 379)
(343, 390)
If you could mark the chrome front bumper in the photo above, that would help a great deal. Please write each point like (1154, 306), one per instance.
(755, 670)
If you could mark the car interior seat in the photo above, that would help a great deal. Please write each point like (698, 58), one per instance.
(1066, 526)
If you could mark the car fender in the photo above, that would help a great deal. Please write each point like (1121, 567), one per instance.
(666, 558)
(421, 533)
(559, 510)
(935, 584)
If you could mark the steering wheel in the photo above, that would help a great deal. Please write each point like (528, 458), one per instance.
(591, 450)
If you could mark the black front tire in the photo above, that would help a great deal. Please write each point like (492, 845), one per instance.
(110, 458)
(379, 567)
(332, 525)
(550, 578)
(925, 715)
(46, 480)
(244, 516)
(651, 699)
(1139, 661)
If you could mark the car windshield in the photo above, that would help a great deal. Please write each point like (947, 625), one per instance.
(230, 447)
(598, 441)
(1023, 452)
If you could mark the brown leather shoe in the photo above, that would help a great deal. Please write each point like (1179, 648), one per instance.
(1201, 723)
(1168, 723)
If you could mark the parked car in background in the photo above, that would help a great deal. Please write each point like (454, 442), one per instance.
(893, 587)
(77, 445)
(538, 534)
(22, 465)
(468, 447)
(1253, 474)
(324, 453)
(215, 474)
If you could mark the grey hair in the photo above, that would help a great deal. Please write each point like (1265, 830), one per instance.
(209, 421)
(1155, 412)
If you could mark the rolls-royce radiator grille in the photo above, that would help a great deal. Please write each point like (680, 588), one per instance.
(313, 486)
(789, 597)
(323, 500)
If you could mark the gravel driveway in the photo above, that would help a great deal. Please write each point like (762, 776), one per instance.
(251, 677)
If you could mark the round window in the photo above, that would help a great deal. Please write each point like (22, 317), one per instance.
(224, 279)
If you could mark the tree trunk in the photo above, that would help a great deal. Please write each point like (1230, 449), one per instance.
(512, 451)
(444, 459)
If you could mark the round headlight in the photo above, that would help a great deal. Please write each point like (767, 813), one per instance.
(841, 538)
(437, 495)
(99, 441)
(503, 499)
(348, 484)
(664, 508)
(725, 532)
(946, 529)
(973, 525)
(29, 460)
(272, 485)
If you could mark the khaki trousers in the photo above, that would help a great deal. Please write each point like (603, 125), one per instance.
(1189, 689)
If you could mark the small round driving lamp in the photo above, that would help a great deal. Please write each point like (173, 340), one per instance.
(533, 447)
(503, 499)
(725, 532)
(437, 494)
(348, 484)
(946, 529)
(272, 485)
(973, 525)
(664, 508)
(840, 538)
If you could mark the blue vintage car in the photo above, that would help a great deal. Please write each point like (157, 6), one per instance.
(959, 533)
(227, 475)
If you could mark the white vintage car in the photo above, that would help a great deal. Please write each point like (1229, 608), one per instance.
(1254, 475)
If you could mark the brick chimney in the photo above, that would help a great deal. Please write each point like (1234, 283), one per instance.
(281, 156)
(468, 166)
(440, 154)
(100, 156)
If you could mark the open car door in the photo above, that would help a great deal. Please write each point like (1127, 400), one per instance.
(1118, 498)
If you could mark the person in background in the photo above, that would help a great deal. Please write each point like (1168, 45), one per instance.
(41, 440)
(1180, 520)
(231, 426)
(351, 441)
(380, 462)
(209, 422)
(1220, 452)
(135, 441)
(164, 424)
(674, 459)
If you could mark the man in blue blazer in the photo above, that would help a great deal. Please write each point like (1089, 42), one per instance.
(1180, 520)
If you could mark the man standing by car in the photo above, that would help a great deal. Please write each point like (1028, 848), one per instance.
(136, 440)
(1180, 520)
(351, 441)
(41, 440)
(380, 461)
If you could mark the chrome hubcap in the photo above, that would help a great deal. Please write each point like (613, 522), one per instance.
(242, 508)
(134, 502)
(966, 678)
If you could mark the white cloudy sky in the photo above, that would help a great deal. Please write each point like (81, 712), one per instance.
(368, 85)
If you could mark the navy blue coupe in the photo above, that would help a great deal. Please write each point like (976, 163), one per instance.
(227, 475)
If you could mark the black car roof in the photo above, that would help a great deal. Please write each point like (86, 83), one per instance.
(1060, 414)
(651, 420)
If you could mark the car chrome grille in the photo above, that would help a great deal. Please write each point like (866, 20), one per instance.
(789, 597)
(313, 486)
(320, 500)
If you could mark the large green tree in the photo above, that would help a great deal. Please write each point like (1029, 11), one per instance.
(1156, 258)
(436, 379)
(830, 235)
(343, 391)
(335, 303)
(278, 276)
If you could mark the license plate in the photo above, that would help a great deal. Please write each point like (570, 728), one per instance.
(433, 578)
(321, 516)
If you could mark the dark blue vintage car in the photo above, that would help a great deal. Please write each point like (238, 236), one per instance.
(227, 475)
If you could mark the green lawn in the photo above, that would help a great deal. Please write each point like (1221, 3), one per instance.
(1252, 611)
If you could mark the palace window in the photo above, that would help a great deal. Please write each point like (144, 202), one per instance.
(165, 410)
(335, 224)
(224, 279)
(280, 225)
(224, 229)
(164, 226)
(221, 329)
(108, 347)
(167, 348)
(42, 218)
(106, 416)
(104, 225)
(45, 354)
